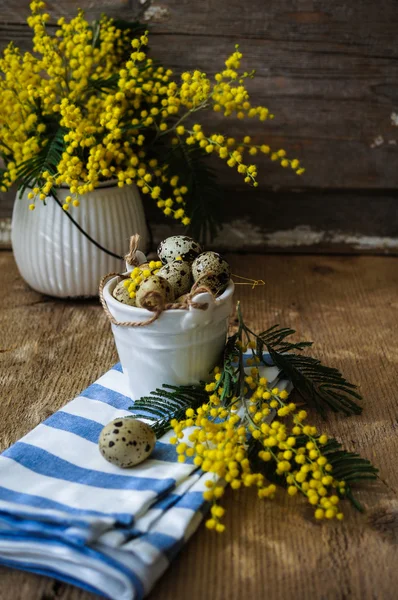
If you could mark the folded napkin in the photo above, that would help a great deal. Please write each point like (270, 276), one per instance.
(67, 513)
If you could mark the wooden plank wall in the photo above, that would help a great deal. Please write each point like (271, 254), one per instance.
(329, 72)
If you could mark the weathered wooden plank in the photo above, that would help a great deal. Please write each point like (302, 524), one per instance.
(7, 202)
(51, 349)
(18, 10)
(260, 220)
(326, 71)
(301, 221)
(316, 21)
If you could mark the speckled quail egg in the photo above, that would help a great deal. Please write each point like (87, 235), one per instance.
(178, 246)
(178, 274)
(154, 283)
(211, 263)
(212, 283)
(181, 299)
(122, 294)
(126, 442)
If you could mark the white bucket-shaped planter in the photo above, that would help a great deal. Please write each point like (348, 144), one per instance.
(55, 258)
(180, 348)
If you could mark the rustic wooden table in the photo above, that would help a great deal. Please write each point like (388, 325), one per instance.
(51, 349)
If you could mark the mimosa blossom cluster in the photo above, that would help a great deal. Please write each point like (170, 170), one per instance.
(224, 436)
(92, 98)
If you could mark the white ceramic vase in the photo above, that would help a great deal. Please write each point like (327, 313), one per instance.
(55, 258)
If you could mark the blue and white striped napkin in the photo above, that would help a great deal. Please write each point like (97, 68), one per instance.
(67, 513)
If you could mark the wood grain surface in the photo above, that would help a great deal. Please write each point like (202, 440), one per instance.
(50, 350)
(329, 72)
(315, 221)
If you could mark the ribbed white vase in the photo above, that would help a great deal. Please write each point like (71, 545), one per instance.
(55, 258)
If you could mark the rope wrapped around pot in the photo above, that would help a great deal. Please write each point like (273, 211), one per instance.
(197, 288)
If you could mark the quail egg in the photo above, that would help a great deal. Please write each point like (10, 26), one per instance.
(182, 299)
(163, 293)
(126, 442)
(178, 274)
(122, 294)
(178, 246)
(212, 283)
(211, 263)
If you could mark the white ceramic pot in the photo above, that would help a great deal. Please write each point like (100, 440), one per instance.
(181, 347)
(55, 258)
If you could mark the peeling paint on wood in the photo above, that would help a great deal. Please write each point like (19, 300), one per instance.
(156, 13)
(305, 236)
(365, 242)
(262, 221)
(241, 233)
(5, 233)
(242, 236)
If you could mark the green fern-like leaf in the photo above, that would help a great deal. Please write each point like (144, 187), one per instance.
(203, 197)
(167, 403)
(277, 338)
(317, 384)
(324, 387)
(347, 466)
(30, 171)
(104, 85)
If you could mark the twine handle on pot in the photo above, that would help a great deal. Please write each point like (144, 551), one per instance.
(189, 302)
(131, 258)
